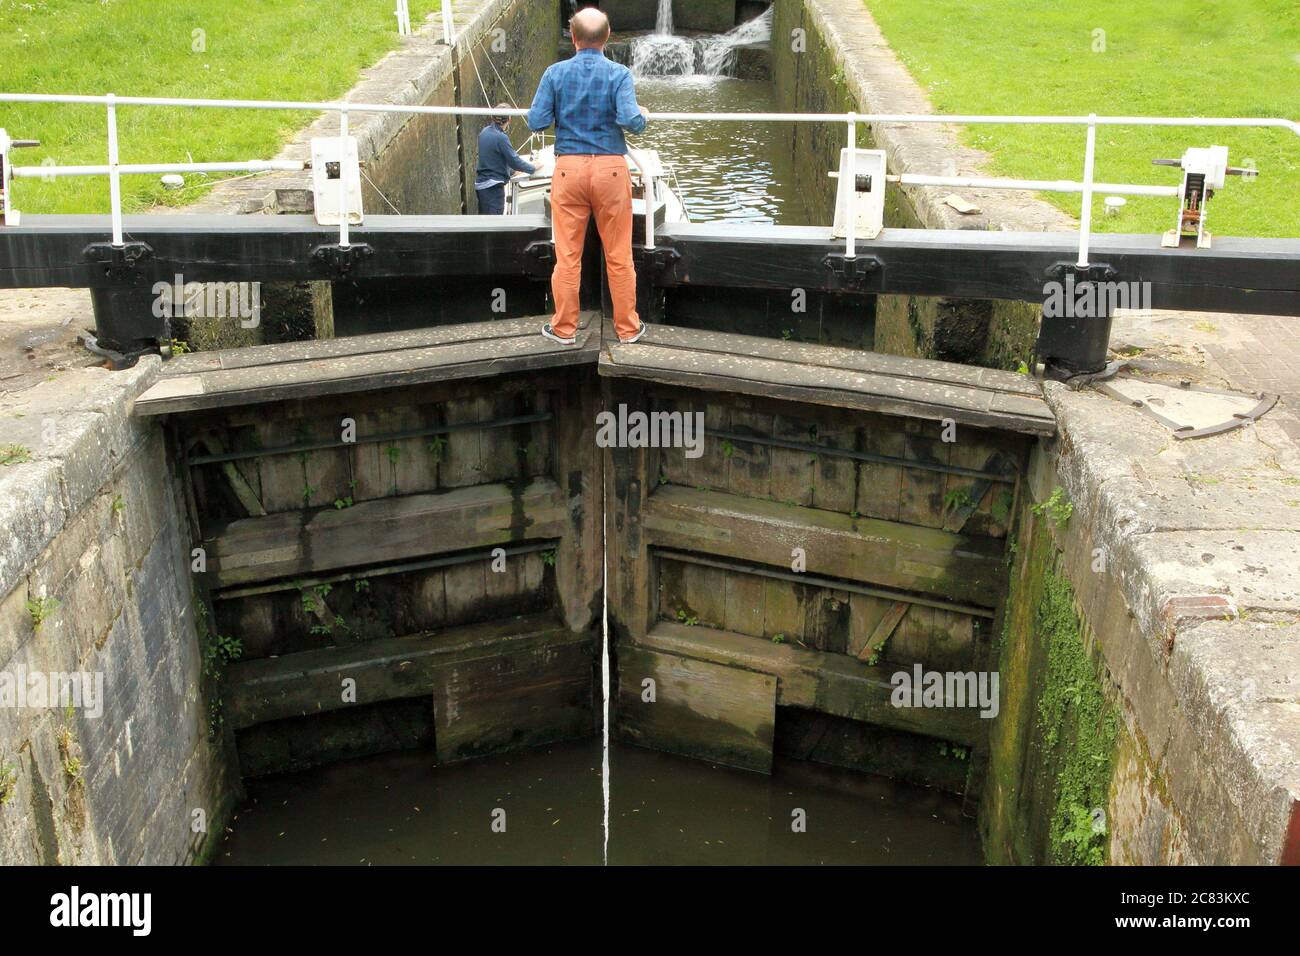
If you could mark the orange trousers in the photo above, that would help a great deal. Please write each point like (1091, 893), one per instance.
(582, 187)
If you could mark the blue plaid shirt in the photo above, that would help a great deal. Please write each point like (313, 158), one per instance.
(591, 100)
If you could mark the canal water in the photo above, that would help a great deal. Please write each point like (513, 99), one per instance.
(546, 803)
(402, 809)
(733, 172)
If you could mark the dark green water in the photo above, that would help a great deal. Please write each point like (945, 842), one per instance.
(401, 809)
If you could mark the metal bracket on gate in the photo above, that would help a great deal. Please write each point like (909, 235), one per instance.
(1096, 272)
(119, 262)
(540, 257)
(852, 272)
(658, 260)
(340, 260)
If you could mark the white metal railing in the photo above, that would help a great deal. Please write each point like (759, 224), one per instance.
(1087, 186)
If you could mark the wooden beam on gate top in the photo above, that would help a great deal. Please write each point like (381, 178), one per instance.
(1248, 275)
(1253, 276)
(383, 531)
(828, 375)
(960, 568)
(70, 251)
(304, 370)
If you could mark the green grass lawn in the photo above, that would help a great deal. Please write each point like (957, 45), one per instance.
(1236, 58)
(248, 49)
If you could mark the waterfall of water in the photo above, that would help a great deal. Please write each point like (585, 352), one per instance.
(718, 54)
(664, 17)
(660, 53)
(663, 54)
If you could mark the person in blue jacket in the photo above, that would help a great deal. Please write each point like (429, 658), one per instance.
(496, 157)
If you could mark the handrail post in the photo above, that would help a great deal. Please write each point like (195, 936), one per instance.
(1085, 211)
(851, 231)
(114, 174)
(343, 178)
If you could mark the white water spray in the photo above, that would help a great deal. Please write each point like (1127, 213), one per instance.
(663, 54)
(718, 54)
(660, 53)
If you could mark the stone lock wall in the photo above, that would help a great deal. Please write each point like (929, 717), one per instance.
(94, 578)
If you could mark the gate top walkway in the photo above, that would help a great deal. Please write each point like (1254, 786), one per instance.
(828, 375)
(301, 370)
(821, 374)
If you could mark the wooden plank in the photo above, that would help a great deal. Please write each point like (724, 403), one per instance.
(746, 596)
(865, 615)
(462, 454)
(472, 356)
(513, 699)
(710, 470)
(327, 472)
(880, 486)
(784, 617)
(309, 682)
(384, 531)
(706, 593)
(466, 591)
(806, 373)
(827, 617)
(883, 630)
(827, 683)
(749, 465)
(371, 473)
(922, 494)
(241, 484)
(955, 567)
(836, 478)
(792, 469)
(282, 477)
(936, 638)
(700, 709)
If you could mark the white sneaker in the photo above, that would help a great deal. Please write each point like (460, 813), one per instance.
(634, 338)
(550, 334)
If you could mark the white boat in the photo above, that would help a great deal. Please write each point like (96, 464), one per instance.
(531, 195)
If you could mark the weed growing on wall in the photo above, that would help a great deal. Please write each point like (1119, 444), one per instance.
(1079, 726)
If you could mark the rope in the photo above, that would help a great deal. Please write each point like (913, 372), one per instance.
(381, 195)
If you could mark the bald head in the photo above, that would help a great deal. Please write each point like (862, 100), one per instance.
(589, 27)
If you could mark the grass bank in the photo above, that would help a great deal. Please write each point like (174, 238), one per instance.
(1176, 58)
(245, 49)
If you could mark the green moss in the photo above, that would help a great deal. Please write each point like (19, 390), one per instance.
(1078, 727)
